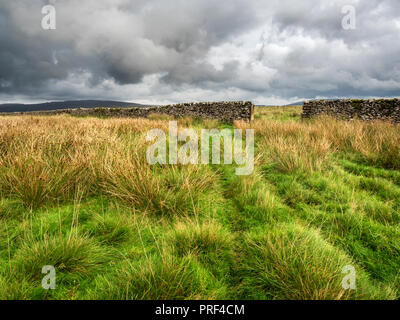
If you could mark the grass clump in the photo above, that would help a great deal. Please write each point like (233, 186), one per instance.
(207, 241)
(169, 190)
(69, 254)
(112, 230)
(294, 262)
(163, 277)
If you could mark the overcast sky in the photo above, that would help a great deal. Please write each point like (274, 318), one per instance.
(167, 51)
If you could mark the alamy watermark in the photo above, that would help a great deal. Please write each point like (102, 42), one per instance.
(183, 147)
(349, 280)
(349, 20)
(49, 280)
(49, 21)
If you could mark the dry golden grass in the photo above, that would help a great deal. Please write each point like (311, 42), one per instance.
(51, 158)
(307, 145)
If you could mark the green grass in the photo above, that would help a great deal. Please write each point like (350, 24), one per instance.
(80, 198)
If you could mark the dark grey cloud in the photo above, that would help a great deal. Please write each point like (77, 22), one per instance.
(179, 50)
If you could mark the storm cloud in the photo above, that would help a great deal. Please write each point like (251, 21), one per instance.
(157, 51)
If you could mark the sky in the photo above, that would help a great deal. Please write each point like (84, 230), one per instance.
(169, 51)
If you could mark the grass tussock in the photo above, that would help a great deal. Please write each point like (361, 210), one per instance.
(73, 254)
(165, 191)
(294, 262)
(207, 240)
(165, 277)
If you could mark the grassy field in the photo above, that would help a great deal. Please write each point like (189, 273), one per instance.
(77, 193)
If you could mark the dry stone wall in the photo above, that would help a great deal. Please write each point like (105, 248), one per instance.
(225, 111)
(349, 109)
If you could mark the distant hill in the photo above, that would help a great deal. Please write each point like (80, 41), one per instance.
(299, 103)
(18, 107)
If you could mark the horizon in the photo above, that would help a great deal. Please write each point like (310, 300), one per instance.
(300, 102)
